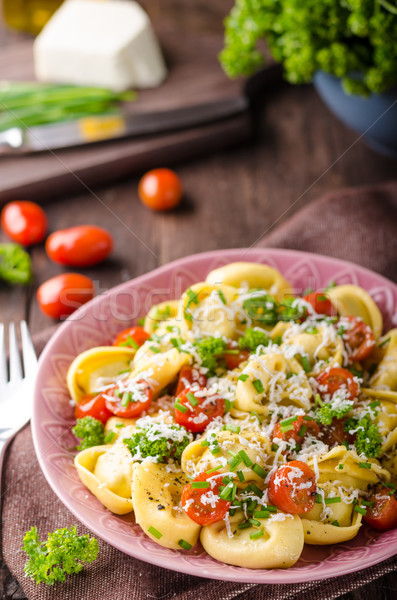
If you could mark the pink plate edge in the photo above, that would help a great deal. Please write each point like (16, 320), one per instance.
(172, 559)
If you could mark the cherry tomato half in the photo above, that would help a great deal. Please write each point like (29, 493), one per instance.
(160, 189)
(92, 405)
(132, 337)
(234, 356)
(197, 412)
(187, 376)
(292, 488)
(336, 378)
(127, 404)
(383, 514)
(321, 304)
(24, 222)
(358, 338)
(206, 507)
(80, 246)
(297, 430)
(61, 295)
(335, 433)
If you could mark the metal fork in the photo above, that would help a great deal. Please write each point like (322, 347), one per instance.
(16, 389)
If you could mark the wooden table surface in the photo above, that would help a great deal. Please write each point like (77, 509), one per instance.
(231, 199)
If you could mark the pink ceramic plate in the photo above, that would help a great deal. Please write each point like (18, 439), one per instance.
(97, 323)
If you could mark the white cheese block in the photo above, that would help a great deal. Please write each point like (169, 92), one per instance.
(103, 43)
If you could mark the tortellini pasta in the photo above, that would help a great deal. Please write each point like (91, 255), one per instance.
(225, 396)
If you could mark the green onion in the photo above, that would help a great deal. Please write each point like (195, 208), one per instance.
(256, 534)
(302, 431)
(245, 458)
(243, 377)
(154, 532)
(204, 443)
(258, 385)
(271, 508)
(192, 399)
(259, 471)
(307, 418)
(185, 545)
(363, 465)
(200, 484)
(120, 425)
(384, 342)
(180, 407)
(244, 525)
(214, 469)
(215, 450)
(256, 490)
(109, 437)
(222, 296)
(234, 462)
(255, 523)
(226, 493)
(319, 499)
(231, 351)
(232, 428)
(240, 476)
(312, 330)
(334, 500)
(274, 447)
(335, 523)
(262, 514)
(305, 363)
(126, 399)
(130, 342)
(154, 349)
(361, 510)
(340, 466)
(366, 503)
(255, 414)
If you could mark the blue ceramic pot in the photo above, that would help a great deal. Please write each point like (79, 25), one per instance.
(374, 117)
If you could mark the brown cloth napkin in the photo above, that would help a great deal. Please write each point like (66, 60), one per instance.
(356, 224)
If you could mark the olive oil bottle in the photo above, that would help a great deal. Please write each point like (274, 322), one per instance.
(29, 15)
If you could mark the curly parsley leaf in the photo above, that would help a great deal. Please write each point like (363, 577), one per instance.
(210, 350)
(253, 338)
(90, 431)
(161, 441)
(261, 307)
(368, 439)
(64, 553)
(327, 412)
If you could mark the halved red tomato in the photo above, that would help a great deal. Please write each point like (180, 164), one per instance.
(292, 488)
(296, 430)
(194, 411)
(382, 514)
(189, 375)
(133, 337)
(358, 338)
(129, 404)
(321, 304)
(93, 405)
(335, 378)
(201, 501)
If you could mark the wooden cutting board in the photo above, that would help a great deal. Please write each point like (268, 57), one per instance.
(195, 77)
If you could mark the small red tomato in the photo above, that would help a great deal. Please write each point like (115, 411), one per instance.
(160, 189)
(297, 430)
(80, 246)
(59, 296)
(132, 337)
(292, 488)
(382, 514)
(92, 406)
(358, 338)
(321, 304)
(334, 379)
(203, 504)
(195, 413)
(129, 404)
(234, 356)
(335, 433)
(24, 222)
(187, 376)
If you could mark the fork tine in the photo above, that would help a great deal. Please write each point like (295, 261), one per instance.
(3, 358)
(28, 352)
(15, 359)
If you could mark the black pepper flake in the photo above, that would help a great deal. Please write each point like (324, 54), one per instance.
(160, 507)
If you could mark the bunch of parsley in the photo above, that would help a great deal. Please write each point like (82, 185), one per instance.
(355, 40)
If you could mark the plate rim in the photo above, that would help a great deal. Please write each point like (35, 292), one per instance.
(263, 576)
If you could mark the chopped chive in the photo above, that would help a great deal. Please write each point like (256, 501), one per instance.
(141, 322)
(290, 374)
(317, 400)
(240, 476)
(302, 431)
(130, 342)
(123, 371)
(204, 443)
(154, 532)
(154, 349)
(305, 363)
(366, 503)
(360, 509)
(307, 418)
(228, 404)
(274, 447)
(262, 514)
(234, 462)
(319, 499)
(340, 466)
(215, 450)
(210, 471)
(180, 407)
(258, 385)
(221, 296)
(231, 351)
(232, 428)
(243, 377)
(335, 523)
(244, 525)
(126, 399)
(118, 425)
(288, 421)
(185, 545)
(255, 523)
(226, 493)
(363, 465)
(271, 508)
(200, 484)
(192, 399)
(246, 459)
(322, 298)
(259, 471)
(384, 342)
(256, 534)
(256, 490)
(232, 512)
(312, 330)
(255, 414)
(333, 500)
(109, 437)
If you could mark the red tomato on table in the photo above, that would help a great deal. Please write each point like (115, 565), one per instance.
(335, 378)
(358, 337)
(187, 376)
(80, 246)
(195, 413)
(133, 337)
(321, 304)
(383, 514)
(24, 222)
(61, 295)
(124, 404)
(160, 189)
(202, 504)
(292, 488)
(93, 405)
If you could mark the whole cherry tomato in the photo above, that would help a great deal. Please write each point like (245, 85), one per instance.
(203, 504)
(321, 304)
(61, 295)
(382, 514)
(126, 404)
(93, 405)
(335, 378)
(292, 487)
(195, 413)
(24, 222)
(132, 337)
(80, 246)
(187, 376)
(160, 189)
(357, 336)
